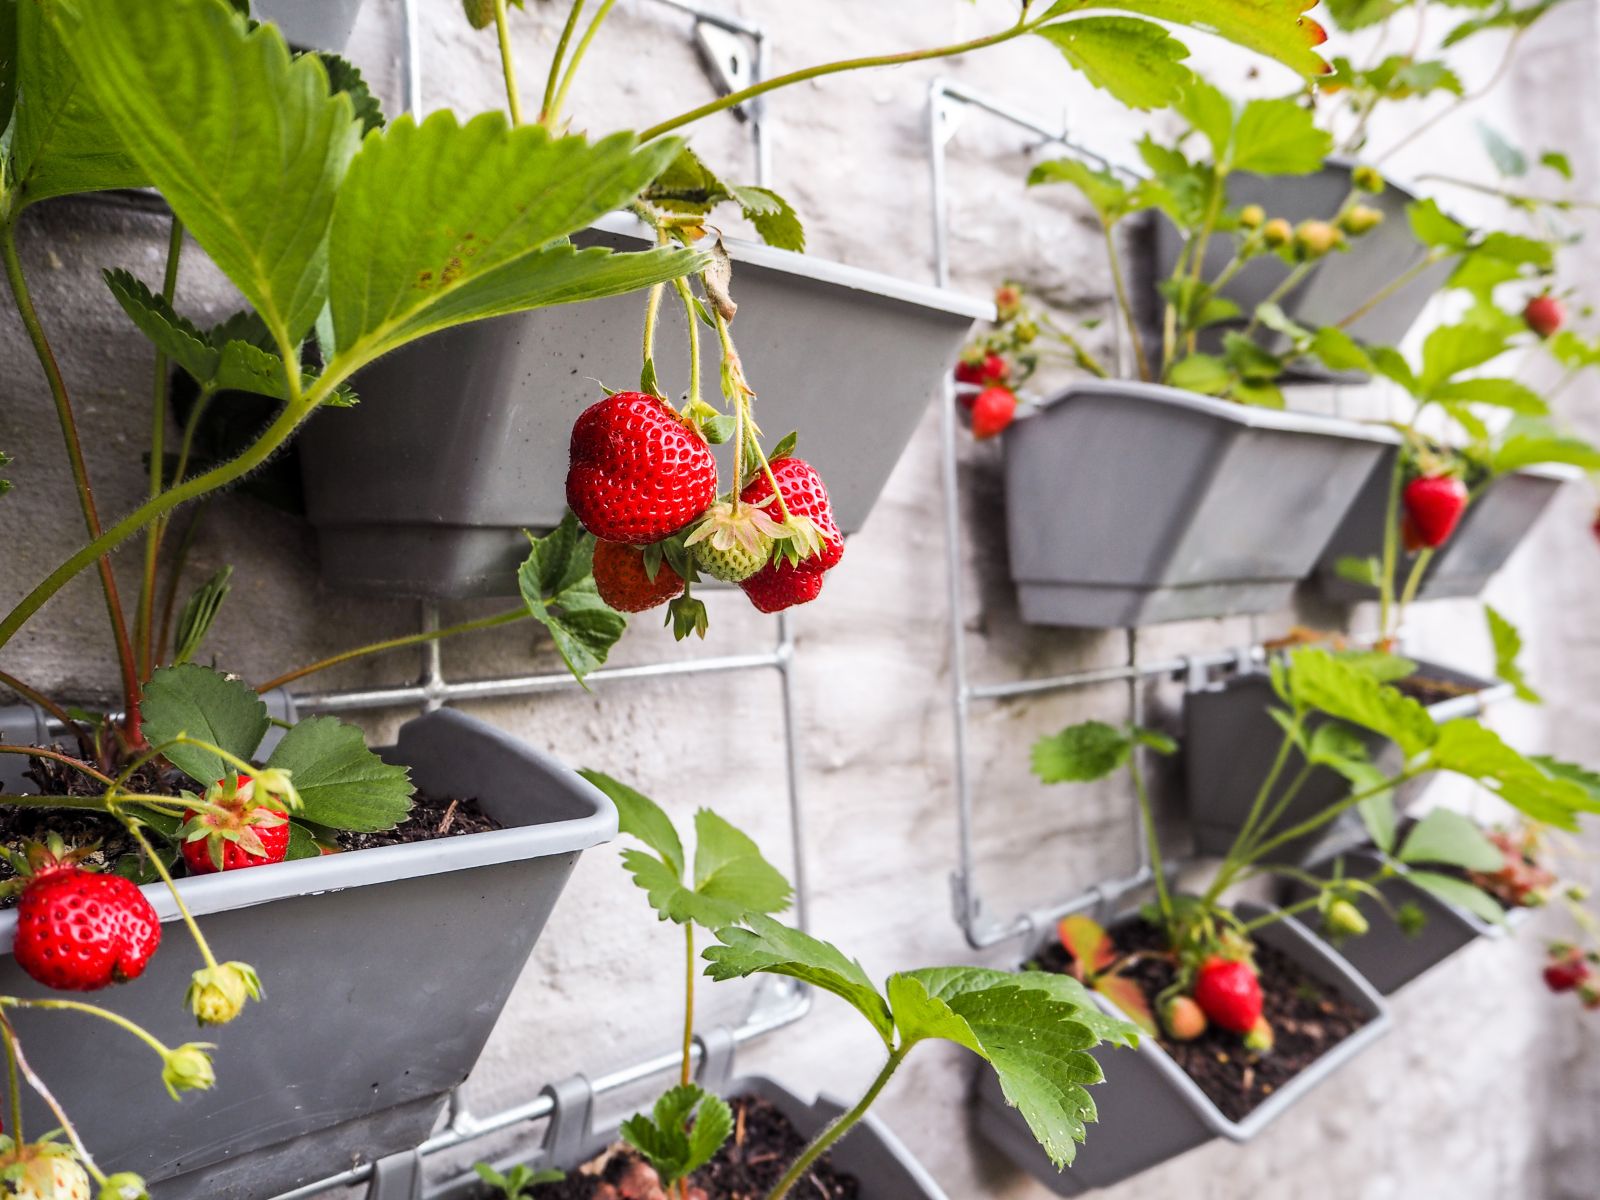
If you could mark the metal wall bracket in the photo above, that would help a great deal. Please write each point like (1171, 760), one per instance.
(398, 1177)
(729, 62)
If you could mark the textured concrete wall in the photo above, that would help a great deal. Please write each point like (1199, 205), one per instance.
(1487, 1089)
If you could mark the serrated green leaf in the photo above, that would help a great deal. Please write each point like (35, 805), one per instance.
(302, 843)
(442, 223)
(1278, 137)
(1522, 450)
(1391, 364)
(1319, 680)
(1202, 373)
(730, 872)
(1351, 15)
(200, 612)
(772, 947)
(204, 704)
(1138, 62)
(1557, 162)
(774, 217)
(1432, 228)
(1507, 640)
(344, 784)
(1498, 393)
(1449, 838)
(1154, 739)
(1272, 27)
(1468, 748)
(1459, 893)
(666, 1139)
(175, 336)
(253, 179)
(1339, 351)
(1081, 753)
(1035, 1029)
(557, 584)
(1106, 194)
(60, 141)
(1506, 15)
(1380, 664)
(641, 817)
(713, 1125)
(344, 76)
(1451, 349)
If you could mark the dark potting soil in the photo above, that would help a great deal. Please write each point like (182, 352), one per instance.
(750, 1163)
(1307, 1021)
(1425, 690)
(432, 817)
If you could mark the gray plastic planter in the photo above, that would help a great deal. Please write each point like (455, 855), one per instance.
(311, 24)
(1490, 530)
(1343, 281)
(1151, 1111)
(1385, 955)
(1131, 503)
(870, 1152)
(1230, 740)
(384, 971)
(461, 440)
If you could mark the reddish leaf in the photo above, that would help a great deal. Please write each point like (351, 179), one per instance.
(1129, 997)
(1088, 943)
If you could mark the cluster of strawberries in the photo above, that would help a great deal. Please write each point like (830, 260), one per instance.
(641, 474)
(1227, 994)
(1570, 969)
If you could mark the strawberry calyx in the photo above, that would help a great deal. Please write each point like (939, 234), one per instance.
(40, 860)
(230, 816)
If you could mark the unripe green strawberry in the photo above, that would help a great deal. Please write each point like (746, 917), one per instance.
(218, 994)
(1260, 1037)
(733, 565)
(188, 1068)
(1367, 179)
(1278, 232)
(1344, 919)
(1183, 1019)
(1315, 239)
(480, 13)
(1359, 219)
(1252, 216)
(732, 544)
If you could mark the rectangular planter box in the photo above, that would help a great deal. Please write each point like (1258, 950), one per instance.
(311, 24)
(1490, 530)
(1385, 955)
(1230, 741)
(1130, 503)
(384, 972)
(1342, 282)
(1151, 1111)
(870, 1152)
(461, 440)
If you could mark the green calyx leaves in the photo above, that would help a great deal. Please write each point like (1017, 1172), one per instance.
(731, 880)
(1034, 1029)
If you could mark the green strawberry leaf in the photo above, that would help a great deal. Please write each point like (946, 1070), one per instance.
(344, 784)
(1451, 349)
(667, 1140)
(641, 817)
(204, 704)
(557, 585)
(1138, 62)
(252, 179)
(175, 336)
(1106, 194)
(1034, 1028)
(1451, 839)
(302, 843)
(1468, 748)
(60, 142)
(1321, 681)
(1339, 351)
(1081, 753)
(1433, 228)
(1507, 640)
(200, 612)
(774, 217)
(1278, 137)
(1271, 27)
(1532, 447)
(345, 77)
(1497, 393)
(772, 947)
(1461, 894)
(442, 223)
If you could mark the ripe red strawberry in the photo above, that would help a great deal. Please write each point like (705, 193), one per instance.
(79, 932)
(638, 471)
(1434, 504)
(778, 586)
(981, 370)
(993, 410)
(246, 835)
(1544, 315)
(1229, 993)
(1566, 974)
(806, 496)
(624, 583)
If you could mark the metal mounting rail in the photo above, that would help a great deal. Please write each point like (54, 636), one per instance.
(948, 103)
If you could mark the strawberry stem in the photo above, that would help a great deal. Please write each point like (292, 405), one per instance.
(134, 831)
(64, 759)
(688, 1002)
(553, 80)
(92, 1010)
(14, 1048)
(13, 1081)
(694, 340)
(508, 68)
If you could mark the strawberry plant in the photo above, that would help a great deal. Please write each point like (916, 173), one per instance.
(731, 891)
(1324, 699)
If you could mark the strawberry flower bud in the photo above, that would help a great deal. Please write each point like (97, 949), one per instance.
(1345, 920)
(1367, 179)
(124, 1185)
(1252, 216)
(1277, 232)
(1315, 239)
(188, 1068)
(274, 789)
(1007, 301)
(1359, 219)
(218, 994)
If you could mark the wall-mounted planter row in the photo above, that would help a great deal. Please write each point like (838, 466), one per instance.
(1230, 740)
(1130, 503)
(1388, 957)
(461, 440)
(395, 1030)
(1493, 526)
(885, 1169)
(1150, 1110)
(1341, 283)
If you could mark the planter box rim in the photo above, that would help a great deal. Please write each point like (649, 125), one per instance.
(1247, 415)
(1248, 1126)
(229, 890)
(759, 254)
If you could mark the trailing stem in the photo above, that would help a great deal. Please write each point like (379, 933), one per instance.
(1124, 305)
(553, 107)
(688, 1003)
(508, 69)
(80, 475)
(552, 82)
(841, 1126)
(1152, 838)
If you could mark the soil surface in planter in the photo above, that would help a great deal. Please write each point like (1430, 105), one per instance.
(750, 1163)
(1307, 1018)
(431, 817)
(1426, 691)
